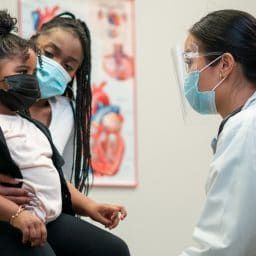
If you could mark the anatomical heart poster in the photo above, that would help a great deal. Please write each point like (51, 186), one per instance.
(113, 124)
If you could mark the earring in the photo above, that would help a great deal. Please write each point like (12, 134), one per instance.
(221, 76)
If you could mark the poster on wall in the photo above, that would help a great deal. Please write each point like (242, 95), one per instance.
(113, 125)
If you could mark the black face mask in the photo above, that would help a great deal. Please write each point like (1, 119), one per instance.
(23, 91)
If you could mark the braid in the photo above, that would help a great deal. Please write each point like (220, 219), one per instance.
(84, 92)
(82, 117)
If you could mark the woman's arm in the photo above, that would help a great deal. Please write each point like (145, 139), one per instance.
(107, 214)
(7, 209)
(19, 196)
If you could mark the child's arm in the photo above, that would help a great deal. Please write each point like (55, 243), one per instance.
(32, 228)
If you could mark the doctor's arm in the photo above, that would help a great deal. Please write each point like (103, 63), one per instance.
(227, 225)
(107, 214)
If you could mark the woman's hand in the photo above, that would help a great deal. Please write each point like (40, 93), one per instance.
(32, 228)
(19, 196)
(107, 214)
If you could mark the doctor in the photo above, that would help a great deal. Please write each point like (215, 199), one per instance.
(220, 56)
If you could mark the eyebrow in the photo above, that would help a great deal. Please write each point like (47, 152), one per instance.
(26, 67)
(22, 66)
(58, 50)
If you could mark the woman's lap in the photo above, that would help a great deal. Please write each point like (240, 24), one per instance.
(67, 235)
(10, 244)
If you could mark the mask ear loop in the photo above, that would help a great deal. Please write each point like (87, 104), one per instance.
(5, 89)
(218, 84)
(209, 64)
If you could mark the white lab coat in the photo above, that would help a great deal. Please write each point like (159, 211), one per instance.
(227, 226)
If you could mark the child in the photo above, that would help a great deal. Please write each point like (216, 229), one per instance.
(26, 152)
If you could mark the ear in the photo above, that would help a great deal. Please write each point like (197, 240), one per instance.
(227, 64)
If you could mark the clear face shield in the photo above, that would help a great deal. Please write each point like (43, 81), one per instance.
(189, 59)
(186, 62)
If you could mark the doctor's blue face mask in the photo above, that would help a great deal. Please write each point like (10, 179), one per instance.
(52, 78)
(202, 102)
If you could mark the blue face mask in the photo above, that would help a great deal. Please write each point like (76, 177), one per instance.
(201, 101)
(52, 78)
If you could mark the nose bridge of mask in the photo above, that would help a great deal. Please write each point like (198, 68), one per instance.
(57, 68)
(52, 77)
(16, 82)
(22, 93)
(13, 81)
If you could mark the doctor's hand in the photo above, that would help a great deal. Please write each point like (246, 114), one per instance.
(107, 214)
(19, 196)
(32, 228)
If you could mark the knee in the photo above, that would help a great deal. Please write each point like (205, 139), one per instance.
(121, 248)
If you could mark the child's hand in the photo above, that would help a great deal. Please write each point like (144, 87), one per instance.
(32, 228)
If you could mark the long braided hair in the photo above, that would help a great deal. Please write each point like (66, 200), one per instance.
(82, 113)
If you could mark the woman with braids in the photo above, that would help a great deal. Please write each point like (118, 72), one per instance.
(64, 43)
(66, 56)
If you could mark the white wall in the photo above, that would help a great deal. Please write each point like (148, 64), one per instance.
(173, 156)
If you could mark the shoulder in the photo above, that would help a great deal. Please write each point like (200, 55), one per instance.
(62, 115)
(60, 102)
(240, 130)
(12, 123)
(245, 120)
(61, 108)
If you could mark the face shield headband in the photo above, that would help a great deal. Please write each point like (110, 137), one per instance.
(190, 59)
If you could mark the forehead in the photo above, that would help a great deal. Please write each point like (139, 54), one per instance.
(191, 44)
(31, 57)
(9, 65)
(67, 41)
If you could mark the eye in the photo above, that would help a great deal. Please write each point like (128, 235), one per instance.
(49, 54)
(22, 71)
(188, 61)
(188, 64)
(68, 67)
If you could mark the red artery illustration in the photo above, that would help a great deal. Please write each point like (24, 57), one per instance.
(118, 64)
(107, 144)
(40, 17)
